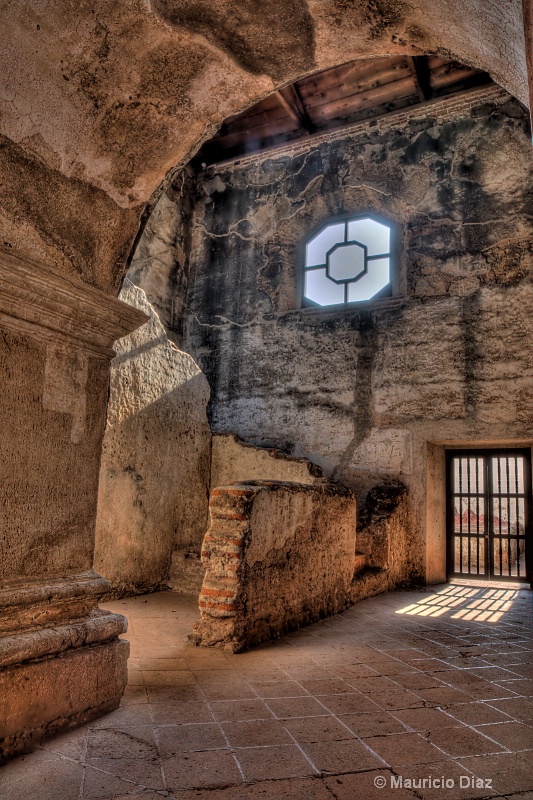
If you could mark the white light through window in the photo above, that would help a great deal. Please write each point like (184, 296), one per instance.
(347, 262)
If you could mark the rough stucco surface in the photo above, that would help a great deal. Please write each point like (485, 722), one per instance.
(154, 477)
(233, 460)
(277, 555)
(361, 391)
(49, 464)
(100, 99)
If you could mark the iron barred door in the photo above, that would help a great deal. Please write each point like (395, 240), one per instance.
(489, 514)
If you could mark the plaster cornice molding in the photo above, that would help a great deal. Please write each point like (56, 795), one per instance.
(36, 300)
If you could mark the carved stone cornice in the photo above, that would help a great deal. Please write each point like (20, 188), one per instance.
(36, 300)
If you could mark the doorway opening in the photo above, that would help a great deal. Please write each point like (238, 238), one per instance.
(488, 519)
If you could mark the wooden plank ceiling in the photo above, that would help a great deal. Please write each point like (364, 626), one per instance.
(338, 97)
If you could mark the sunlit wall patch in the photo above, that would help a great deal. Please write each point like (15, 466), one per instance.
(347, 262)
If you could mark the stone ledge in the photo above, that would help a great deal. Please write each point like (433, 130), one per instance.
(35, 299)
(28, 603)
(66, 691)
(19, 647)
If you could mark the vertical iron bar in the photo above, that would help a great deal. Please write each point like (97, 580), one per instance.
(460, 514)
(517, 489)
(469, 489)
(477, 515)
(489, 513)
(498, 458)
(508, 460)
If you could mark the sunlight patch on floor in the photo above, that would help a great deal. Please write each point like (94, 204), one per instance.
(464, 602)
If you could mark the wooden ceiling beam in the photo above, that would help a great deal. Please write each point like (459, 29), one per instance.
(422, 78)
(292, 102)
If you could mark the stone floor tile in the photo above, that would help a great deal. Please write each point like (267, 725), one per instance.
(355, 703)
(237, 710)
(309, 673)
(349, 672)
(375, 785)
(175, 693)
(443, 696)
(141, 795)
(525, 669)
(463, 741)
(71, 744)
(328, 686)
(267, 763)
(182, 738)
(404, 748)
(398, 698)
(48, 779)
(510, 772)
(165, 677)
(311, 788)
(521, 708)
(140, 771)
(426, 719)
(285, 708)
(229, 691)
(180, 713)
(514, 735)
(426, 781)
(125, 716)
(135, 678)
(317, 729)
(378, 724)
(229, 677)
(101, 785)
(134, 694)
(279, 689)
(391, 667)
(476, 713)
(255, 675)
(256, 733)
(194, 770)
(165, 664)
(138, 743)
(419, 680)
(348, 755)
(522, 686)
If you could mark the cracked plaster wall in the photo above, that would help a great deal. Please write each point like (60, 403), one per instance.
(361, 391)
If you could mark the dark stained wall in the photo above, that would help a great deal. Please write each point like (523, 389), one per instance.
(362, 390)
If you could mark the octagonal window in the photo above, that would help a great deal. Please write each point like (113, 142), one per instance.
(347, 262)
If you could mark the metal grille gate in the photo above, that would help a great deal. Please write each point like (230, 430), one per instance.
(489, 514)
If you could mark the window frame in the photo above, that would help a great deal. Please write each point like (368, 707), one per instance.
(392, 288)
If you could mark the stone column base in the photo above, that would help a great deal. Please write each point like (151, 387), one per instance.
(61, 662)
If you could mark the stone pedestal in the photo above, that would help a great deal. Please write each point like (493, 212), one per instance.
(60, 658)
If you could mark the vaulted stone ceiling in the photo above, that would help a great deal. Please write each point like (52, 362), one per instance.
(100, 99)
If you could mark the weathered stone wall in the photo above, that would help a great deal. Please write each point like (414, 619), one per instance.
(160, 261)
(154, 478)
(362, 390)
(277, 555)
(233, 460)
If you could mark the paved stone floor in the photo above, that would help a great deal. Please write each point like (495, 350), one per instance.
(404, 687)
